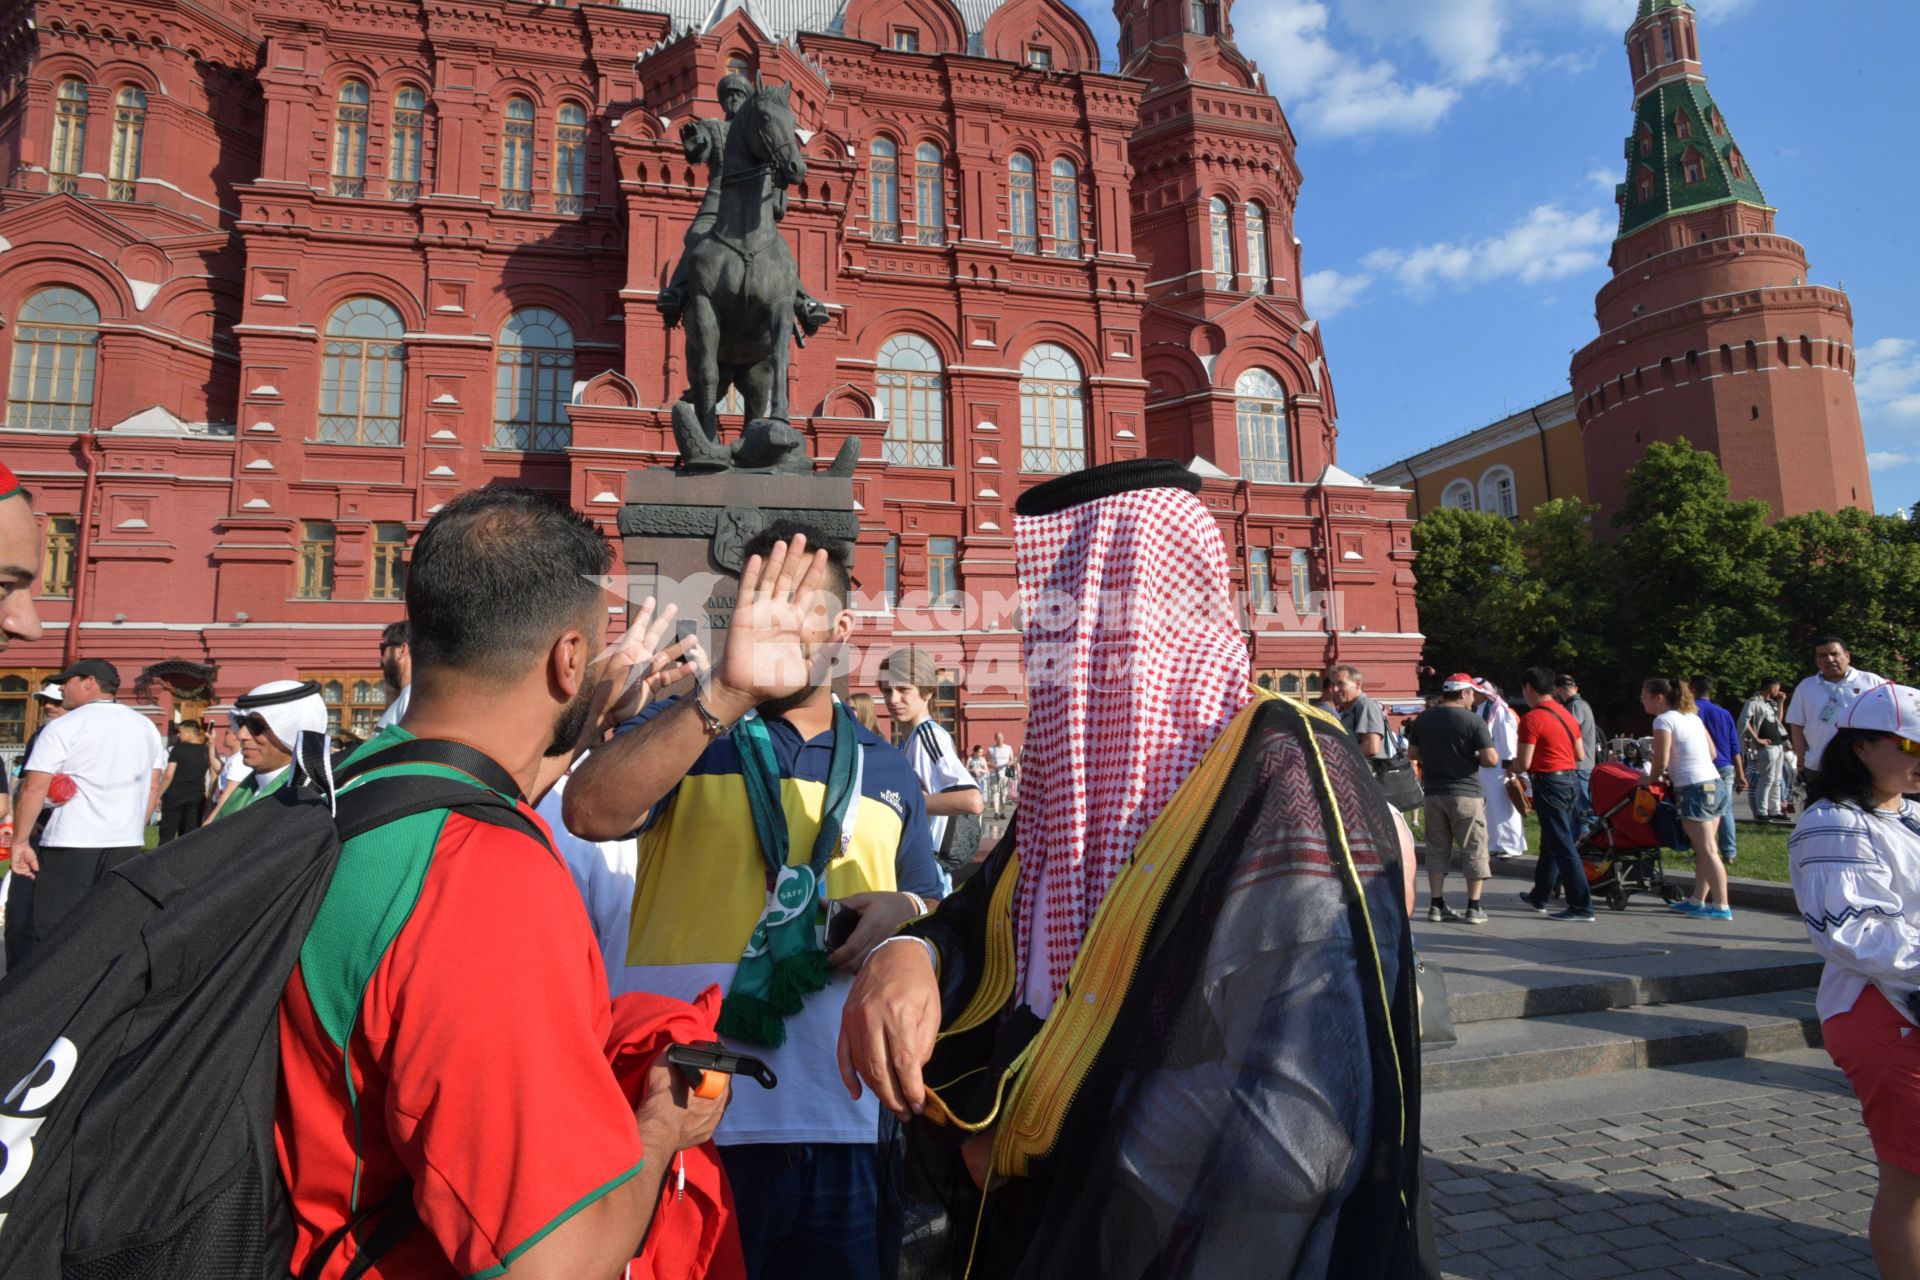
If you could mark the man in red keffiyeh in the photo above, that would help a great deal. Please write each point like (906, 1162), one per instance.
(1169, 1025)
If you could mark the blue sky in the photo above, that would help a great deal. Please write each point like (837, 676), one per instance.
(1460, 157)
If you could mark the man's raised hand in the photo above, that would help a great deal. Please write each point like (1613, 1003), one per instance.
(766, 655)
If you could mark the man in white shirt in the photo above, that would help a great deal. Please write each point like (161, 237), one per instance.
(101, 765)
(1822, 701)
(396, 667)
(1000, 756)
(908, 681)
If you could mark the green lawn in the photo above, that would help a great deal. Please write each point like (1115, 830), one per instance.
(1762, 846)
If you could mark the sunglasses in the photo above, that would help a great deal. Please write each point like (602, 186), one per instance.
(1909, 746)
(255, 724)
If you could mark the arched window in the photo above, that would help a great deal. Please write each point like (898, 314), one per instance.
(930, 193)
(350, 139)
(1682, 126)
(532, 382)
(364, 367)
(1646, 184)
(1646, 140)
(911, 395)
(737, 65)
(55, 338)
(1736, 164)
(69, 136)
(1260, 405)
(1694, 170)
(570, 159)
(1496, 493)
(1666, 44)
(883, 193)
(516, 155)
(407, 143)
(1053, 435)
(1023, 216)
(1066, 209)
(1259, 271)
(1220, 230)
(1458, 495)
(1203, 17)
(1301, 563)
(129, 140)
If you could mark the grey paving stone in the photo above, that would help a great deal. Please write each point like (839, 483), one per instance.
(1823, 1252)
(1461, 1224)
(1691, 1228)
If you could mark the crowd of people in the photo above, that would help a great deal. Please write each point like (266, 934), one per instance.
(1015, 1040)
(760, 869)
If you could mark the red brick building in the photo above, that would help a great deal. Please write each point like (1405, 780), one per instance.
(1710, 328)
(278, 279)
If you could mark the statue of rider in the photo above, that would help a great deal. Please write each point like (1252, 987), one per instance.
(705, 141)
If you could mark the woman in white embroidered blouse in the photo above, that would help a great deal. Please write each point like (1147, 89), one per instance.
(1855, 862)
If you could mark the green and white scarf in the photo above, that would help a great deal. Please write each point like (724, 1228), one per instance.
(784, 962)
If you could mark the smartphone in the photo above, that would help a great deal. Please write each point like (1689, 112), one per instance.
(694, 1061)
(841, 922)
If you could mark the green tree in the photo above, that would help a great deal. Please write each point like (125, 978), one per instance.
(1473, 587)
(1568, 622)
(1855, 575)
(1694, 576)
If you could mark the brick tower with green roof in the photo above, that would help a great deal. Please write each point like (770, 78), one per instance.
(1710, 328)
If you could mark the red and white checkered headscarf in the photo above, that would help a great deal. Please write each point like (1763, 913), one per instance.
(1135, 665)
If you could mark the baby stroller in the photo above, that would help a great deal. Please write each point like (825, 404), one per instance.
(1633, 820)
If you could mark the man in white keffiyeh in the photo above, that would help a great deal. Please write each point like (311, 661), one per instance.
(1506, 829)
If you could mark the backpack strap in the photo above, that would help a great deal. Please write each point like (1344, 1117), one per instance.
(381, 801)
(397, 1217)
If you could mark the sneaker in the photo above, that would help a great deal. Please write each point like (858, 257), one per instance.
(1685, 906)
(1526, 900)
(1475, 915)
(1577, 917)
(1714, 913)
(1441, 913)
(1505, 854)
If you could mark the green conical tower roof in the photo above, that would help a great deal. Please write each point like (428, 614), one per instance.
(1650, 7)
(1681, 157)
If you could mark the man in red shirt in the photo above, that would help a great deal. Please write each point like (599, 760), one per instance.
(448, 1029)
(1550, 753)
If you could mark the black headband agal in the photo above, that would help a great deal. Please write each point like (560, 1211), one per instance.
(1077, 488)
(254, 701)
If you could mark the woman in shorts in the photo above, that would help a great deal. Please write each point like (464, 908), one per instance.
(1855, 861)
(1683, 754)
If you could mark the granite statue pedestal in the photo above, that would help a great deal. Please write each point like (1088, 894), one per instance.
(684, 535)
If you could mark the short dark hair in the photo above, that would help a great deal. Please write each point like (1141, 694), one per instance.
(1843, 777)
(1821, 642)
(1771, 682)
(1702, 686)
(1539, 679)
(396, 633)
(839, 574)
(495, 576)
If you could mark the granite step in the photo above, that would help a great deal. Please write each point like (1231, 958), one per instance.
(1523, 1050)
(1654, 979)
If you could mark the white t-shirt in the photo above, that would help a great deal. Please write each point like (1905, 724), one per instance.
(1856, 876)
(395, 709)
(111, 752)
(1000, 755)
(1692, 760)
(1820, 704)
(232, 769)
(937, 762)
(604, 874)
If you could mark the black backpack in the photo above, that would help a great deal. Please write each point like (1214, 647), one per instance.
(137, 1143)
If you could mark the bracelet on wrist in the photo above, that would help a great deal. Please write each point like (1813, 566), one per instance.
(715, 727)
(933, 957)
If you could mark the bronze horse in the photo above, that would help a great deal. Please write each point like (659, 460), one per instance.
(741, 276)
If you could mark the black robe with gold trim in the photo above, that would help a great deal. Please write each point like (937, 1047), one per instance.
(1229, 1084)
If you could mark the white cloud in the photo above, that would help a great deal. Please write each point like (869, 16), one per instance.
(1605, 179)
(1884, 461)
(1549, 243)
(1617, 15)
(1328, 90)
(1468, 38)
(1888, 380)
(1328, 293)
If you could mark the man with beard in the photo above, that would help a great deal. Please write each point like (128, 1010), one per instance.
(396, 668)
(267, 722)
(762, 805)
(445, 1040)
(1169, 1025)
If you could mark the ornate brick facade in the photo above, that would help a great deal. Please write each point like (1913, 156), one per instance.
(281, 278)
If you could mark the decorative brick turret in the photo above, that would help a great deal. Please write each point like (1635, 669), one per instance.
(1709, 328)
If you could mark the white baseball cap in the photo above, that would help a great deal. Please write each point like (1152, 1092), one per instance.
(51, 693)
(1887, 708)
